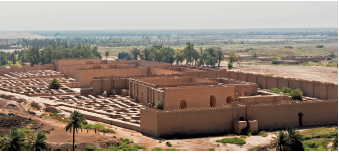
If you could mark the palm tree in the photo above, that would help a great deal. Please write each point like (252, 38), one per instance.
(75, 119)
(37, 142)
(296, 144)
(13, 141)
(296, 94)
(335, 143)
(281, 141)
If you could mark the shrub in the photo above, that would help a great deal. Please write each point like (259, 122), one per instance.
(255, 148)
(258, 86)
(168, 144)
(275, 62)
(157, 149)
(99, 149)
(32, 122)
(289, 47)
(172, 149)
(114, 137)
(29, 118)
(40, 116)
(241, 136)
(263, 134)
(54, 84)
(158, 105)
(234, 140)
(52, 114)
(105, 130)
(319, 145)
(245, 131)
(26, 131)
(230, 65)
(296, 94)
(315, 61)
(329, 58)
(275, 90)
(285, 89)
(319, 46)
(211, 149)
(89, 148)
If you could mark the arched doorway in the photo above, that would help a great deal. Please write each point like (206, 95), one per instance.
(243, 92)
(213, 101)
(300, 119)
(229, 100)
(241, 119)
(183, 104)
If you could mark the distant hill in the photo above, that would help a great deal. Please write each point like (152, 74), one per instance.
(12, 35)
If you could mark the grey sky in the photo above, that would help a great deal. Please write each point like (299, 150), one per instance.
(26, 16)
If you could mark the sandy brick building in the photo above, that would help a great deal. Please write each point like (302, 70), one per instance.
(195, 100)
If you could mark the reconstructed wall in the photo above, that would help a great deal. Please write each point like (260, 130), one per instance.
(84, 76)
(26, 68)
(271, 116)
(221, 119)
(320, 90)
(197, 96)
(65, 61)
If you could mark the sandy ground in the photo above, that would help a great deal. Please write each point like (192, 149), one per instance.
(315, 73)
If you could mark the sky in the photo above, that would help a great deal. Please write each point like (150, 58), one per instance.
(36, 16)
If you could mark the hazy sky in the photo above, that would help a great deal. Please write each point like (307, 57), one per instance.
(26, 16)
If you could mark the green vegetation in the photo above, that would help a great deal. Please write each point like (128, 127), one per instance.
(168, 144)
(296, 94)
(172, 149)
(89, 148)
(14, 140)
(211, 149)
(263, 134)
(319, 145)
(234, 140)
(157, 149)
(99, 149)
(75, 121)
(321, 132)
(91, 126)
(230, 65)
(54, 84)
(126, 140)
(52, 114)
(255, 148)
(26, 131)
(275, 61)
(158, 106)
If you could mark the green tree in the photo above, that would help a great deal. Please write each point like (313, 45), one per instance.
(281, 141)
(179, 56)
(220, 57)
(188, 52)
(255, 55)
(296, 94)
(13, 140)
(296, 144)
(195, 56)
(232, 57)
(106, 54)
(135, 52)
(37, 142)
(54, 84)
(158, 105)
(75, 121)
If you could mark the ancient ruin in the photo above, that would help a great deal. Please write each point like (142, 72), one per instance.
(194, 100)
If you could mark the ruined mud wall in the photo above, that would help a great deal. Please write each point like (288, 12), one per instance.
(280, 115)
(320, 90)
(26, 68)
(65, 61)
(199, 96)
(186, 121)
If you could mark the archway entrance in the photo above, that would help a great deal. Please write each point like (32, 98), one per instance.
(300, 119)
(213, 101)
(243, 92)
(183, 104)
(229, 100)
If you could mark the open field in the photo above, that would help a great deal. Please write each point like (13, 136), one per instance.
(315, 73)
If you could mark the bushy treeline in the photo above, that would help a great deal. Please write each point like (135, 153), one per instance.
(159, 53)
(36, 55)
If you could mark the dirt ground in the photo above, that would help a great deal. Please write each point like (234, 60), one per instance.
(59, 135)
(315, 73)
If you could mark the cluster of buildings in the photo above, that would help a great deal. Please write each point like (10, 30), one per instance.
(195, 100)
